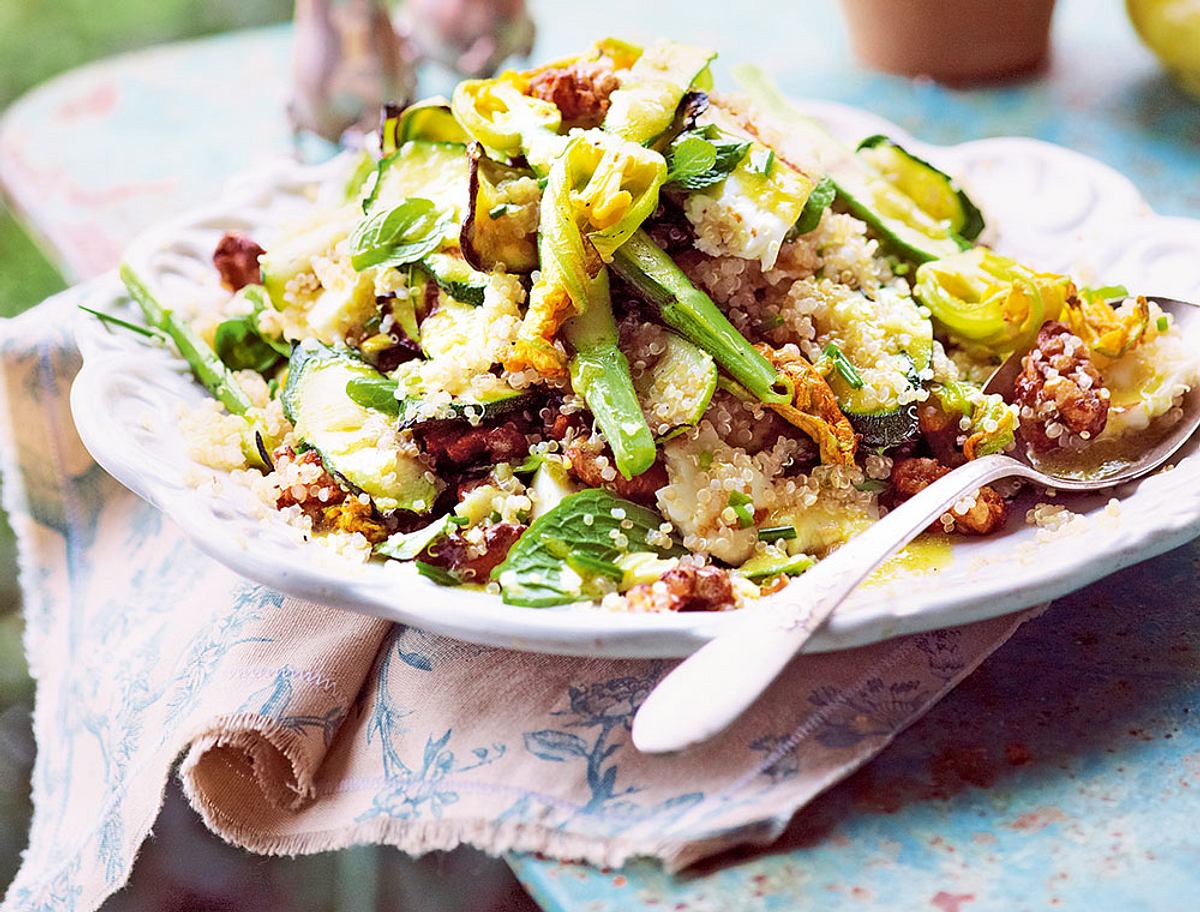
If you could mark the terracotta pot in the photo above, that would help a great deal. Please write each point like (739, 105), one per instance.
(954, 41)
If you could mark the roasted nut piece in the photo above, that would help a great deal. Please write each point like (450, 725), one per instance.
(305, 483)
(1062, 398)
(594, 466)
(455, 444)
(472, 555)
(236, 259)
(580, 91)
(982, 514)
(686, 587)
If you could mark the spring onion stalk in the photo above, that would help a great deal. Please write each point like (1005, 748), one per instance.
(691, 313)
(205, 364)
(600, 373)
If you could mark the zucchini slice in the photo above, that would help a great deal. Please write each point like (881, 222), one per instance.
(675, 392)
(932, 189)
(501, 223)
(378, 393)
(436, 171)
(430, 120)
(644, 106)
(895, 322)
(773, 562)
(455, 276)
(354, 442)
(894, 217)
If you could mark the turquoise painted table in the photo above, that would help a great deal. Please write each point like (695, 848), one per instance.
(1066, 772)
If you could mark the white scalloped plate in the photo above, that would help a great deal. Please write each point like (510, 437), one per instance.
(1046, 205)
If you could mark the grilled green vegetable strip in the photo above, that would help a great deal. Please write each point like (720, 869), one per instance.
(205, 364)
(689, 311)
(600, 373)
(644, 106)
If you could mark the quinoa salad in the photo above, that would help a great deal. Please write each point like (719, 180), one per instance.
(598, 333)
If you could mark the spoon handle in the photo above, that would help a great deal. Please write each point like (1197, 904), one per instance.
(711, 688)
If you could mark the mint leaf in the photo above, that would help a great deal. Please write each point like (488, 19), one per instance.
(690, 158)
(565, 550)
(820, 199)
(726, 152)
(397, 236)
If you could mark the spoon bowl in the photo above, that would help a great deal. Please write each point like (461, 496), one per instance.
(1154, 446)
(711, 688)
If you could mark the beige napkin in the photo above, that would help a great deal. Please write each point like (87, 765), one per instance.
(303, 728)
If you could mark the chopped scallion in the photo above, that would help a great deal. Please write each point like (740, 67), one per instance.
(777, 533)
(849, 373)
(110, 320)
(743, 506)
(1163, 323)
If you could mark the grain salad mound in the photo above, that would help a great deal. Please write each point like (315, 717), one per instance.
(595, 334)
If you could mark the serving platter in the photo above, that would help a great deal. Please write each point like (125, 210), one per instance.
(1047, 206)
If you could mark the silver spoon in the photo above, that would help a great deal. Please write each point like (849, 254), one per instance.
(711, 688)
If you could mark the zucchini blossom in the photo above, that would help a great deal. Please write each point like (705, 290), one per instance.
(814, 408)
(1107, 330)
(989, 301)
(598, 193)
(499, 114)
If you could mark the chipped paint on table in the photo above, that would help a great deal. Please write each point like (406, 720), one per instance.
(1065, 773)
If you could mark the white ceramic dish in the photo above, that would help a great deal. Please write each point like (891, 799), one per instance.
(1045, 205)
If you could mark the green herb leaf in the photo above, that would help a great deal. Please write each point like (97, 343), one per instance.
(743, 506)
(843, 365)
(240, 346)
(530, 463)
(377, 393)
(590, 567)
(820, 199)
(690, 157)
(577, 539)
(407, 545)
(777, 533)
(498, 211)
(437, 574)
(397, 236)
(694, 146)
